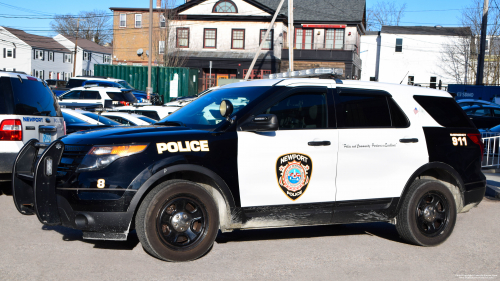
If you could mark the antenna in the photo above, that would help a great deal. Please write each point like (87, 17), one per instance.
(404, 77)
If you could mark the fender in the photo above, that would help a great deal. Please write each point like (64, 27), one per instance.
(426, 167)
(161, 173)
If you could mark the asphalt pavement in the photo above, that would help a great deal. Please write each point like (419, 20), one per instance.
(369, 251)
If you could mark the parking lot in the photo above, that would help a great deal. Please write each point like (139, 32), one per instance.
(369, 251)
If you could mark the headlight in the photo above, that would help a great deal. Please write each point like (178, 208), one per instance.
(99, 157)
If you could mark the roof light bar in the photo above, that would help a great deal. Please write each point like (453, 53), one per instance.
(307, 73)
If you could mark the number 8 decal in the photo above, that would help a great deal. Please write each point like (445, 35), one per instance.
(100, 183)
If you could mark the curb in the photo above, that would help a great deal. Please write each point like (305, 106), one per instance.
(490, 171)
(492, 192)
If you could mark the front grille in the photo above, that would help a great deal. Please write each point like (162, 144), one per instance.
(72, 157)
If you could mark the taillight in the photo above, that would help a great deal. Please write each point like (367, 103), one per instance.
(11, 130)
(124, 103)
(476, 138)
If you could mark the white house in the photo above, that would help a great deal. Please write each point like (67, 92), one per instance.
(36, 55)
(408, 54)
(88, 54)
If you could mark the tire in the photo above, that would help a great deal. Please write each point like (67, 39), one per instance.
(178, 220)
(428, 214)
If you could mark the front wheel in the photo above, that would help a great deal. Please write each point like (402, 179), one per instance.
(177, 221)
(428, 214)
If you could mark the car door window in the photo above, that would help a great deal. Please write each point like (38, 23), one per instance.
(90, 95)
(301, 111)
(73, 95)
(482, 112)
(496, 112)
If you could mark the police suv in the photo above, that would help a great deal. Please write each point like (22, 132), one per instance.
(28, 110)
(262, 154)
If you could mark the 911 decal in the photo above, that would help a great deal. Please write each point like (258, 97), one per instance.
(187, 146)
(294, 173)
(459, 139)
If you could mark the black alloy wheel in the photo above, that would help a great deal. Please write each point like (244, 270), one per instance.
(428, 213)
(178, 220)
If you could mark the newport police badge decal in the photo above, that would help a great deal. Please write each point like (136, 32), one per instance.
(294, 172)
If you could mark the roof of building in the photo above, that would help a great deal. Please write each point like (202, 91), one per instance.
(372, 32)
(427, 30)
(88, 45)
(37, 41)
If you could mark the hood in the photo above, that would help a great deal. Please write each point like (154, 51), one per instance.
(133, 134)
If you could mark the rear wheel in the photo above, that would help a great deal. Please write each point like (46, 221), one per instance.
(177, 221)
(428, 214)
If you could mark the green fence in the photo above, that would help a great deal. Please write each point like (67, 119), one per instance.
(166, 81)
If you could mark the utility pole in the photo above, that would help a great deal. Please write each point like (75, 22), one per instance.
(291, 36)
(76, 44)
(263, 39)
(480, 61)
(150, 47)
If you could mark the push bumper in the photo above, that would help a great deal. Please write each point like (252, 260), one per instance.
(474, 192)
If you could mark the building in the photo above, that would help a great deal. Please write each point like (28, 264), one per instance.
(410, 55)
(221, 37)
(36, 55)
(88, 53)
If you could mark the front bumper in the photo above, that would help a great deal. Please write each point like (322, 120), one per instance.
(34, 193)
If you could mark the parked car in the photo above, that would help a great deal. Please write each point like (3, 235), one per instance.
(486, 116)
(28, 110)
(141, 96)
(156, 112)
(277, 153)
(98, 117)
(84, 97)
(128, 119)
(76, 122)
(471, 102)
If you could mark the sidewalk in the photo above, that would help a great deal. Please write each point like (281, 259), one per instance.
(492, 184)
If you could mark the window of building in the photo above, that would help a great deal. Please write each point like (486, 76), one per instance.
(85, 56)
(433, 82)
(9, 52)
(39, 73)
(411, 80)
(238, 39)
(301, 111)
(334, 38)
(123, 20)
(268, 44)
(38, 54)
(304, 38)
(107, 58)
(138, 20)
(225, 6)
(67, 58)
(51, 56)
(161, 47)
(210, 38)
(372, 79)
(182, 37)
(399, 45)
(162, 20)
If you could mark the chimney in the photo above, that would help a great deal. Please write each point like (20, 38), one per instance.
(158, 4)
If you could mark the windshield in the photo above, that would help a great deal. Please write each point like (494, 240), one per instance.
(125, 85)
(203, 113)
(149, 120)
(101, 119)
(122, 96)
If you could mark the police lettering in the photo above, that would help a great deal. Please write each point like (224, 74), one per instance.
(179, 146)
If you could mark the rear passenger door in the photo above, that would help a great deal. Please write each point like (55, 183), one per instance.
(70, 98)
(378, 147)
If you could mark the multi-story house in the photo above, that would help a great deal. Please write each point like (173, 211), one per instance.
(413, 55)
(88, 54)
(36, 55)
(221, 37)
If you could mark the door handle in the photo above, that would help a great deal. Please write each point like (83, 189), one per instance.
(408, 140)
(319, 143)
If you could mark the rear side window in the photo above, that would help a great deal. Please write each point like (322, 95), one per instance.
(445, 111)
(365, 110)
(90, 95)
(73, 95)
(148, 113)
(32, 97)
(72, 83)
(122, 96)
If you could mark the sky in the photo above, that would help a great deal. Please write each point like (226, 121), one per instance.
(34, 17)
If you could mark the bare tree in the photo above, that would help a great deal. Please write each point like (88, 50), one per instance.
(455, 58)
(94, 25)
(384, 13)
(165, 49)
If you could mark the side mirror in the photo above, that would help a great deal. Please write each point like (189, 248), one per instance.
(262, 122)
(226, 108)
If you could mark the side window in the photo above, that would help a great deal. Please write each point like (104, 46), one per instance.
(362, 111)
(398, 118)
(496, 112)
(301, 111)
(74, 95)
(482, 112)
(90, 95)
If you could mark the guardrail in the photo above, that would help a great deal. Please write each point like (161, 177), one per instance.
(491, 157)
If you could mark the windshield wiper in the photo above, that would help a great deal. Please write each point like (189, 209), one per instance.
(45, 112)
(172, 123)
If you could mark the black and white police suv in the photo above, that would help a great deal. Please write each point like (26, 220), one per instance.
(261, 154)
(28, 110)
